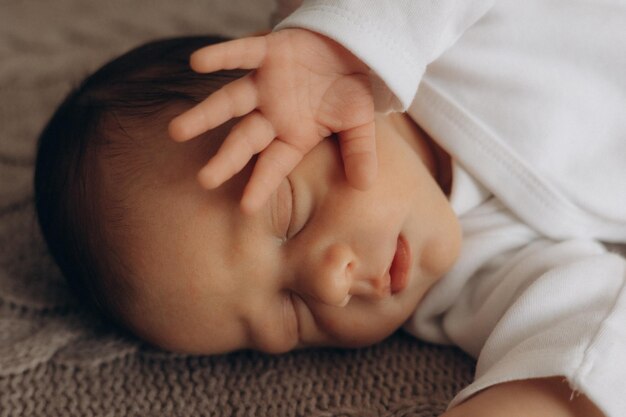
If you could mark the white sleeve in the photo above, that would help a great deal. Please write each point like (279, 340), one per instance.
(530, 307)
(569, 321)
(397, 39)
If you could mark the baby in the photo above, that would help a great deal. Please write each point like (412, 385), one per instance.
(186, 269)
(346, 226)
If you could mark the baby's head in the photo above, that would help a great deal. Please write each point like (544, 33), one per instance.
(321, 264)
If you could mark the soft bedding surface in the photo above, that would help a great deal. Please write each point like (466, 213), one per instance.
(57, 360)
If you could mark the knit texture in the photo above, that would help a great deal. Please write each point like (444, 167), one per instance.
(55, 359)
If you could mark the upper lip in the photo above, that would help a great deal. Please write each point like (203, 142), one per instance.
(400, 265)
(394, 279)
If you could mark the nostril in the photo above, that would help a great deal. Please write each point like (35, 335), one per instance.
(350, 267)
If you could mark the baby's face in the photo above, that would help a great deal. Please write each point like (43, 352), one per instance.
(321, 264)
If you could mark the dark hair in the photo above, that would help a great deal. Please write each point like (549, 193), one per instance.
(139, 84)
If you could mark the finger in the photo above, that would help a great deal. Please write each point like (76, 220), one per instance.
(245, 53)
(358, 150)
(235, 99)
(247, 138)
(272, 166)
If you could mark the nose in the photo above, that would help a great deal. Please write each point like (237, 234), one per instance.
(338, 274)
(329, 275)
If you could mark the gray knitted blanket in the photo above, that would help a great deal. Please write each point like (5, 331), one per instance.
(57, 360)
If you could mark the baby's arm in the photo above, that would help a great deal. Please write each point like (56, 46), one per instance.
(545, 397)
(304, 87)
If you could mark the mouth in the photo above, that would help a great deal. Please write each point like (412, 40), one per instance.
(399, 269)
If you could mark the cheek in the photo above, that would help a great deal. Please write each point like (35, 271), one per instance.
(402, 177)
(442, 250)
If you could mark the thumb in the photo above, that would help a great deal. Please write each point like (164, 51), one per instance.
(358, 151)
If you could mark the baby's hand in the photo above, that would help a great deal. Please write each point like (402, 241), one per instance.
(303, 88)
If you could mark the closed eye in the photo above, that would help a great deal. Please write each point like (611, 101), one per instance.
(287, 210)
(293, 215)
(282, 209)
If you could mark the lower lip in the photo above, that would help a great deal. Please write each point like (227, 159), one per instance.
(399, 270)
